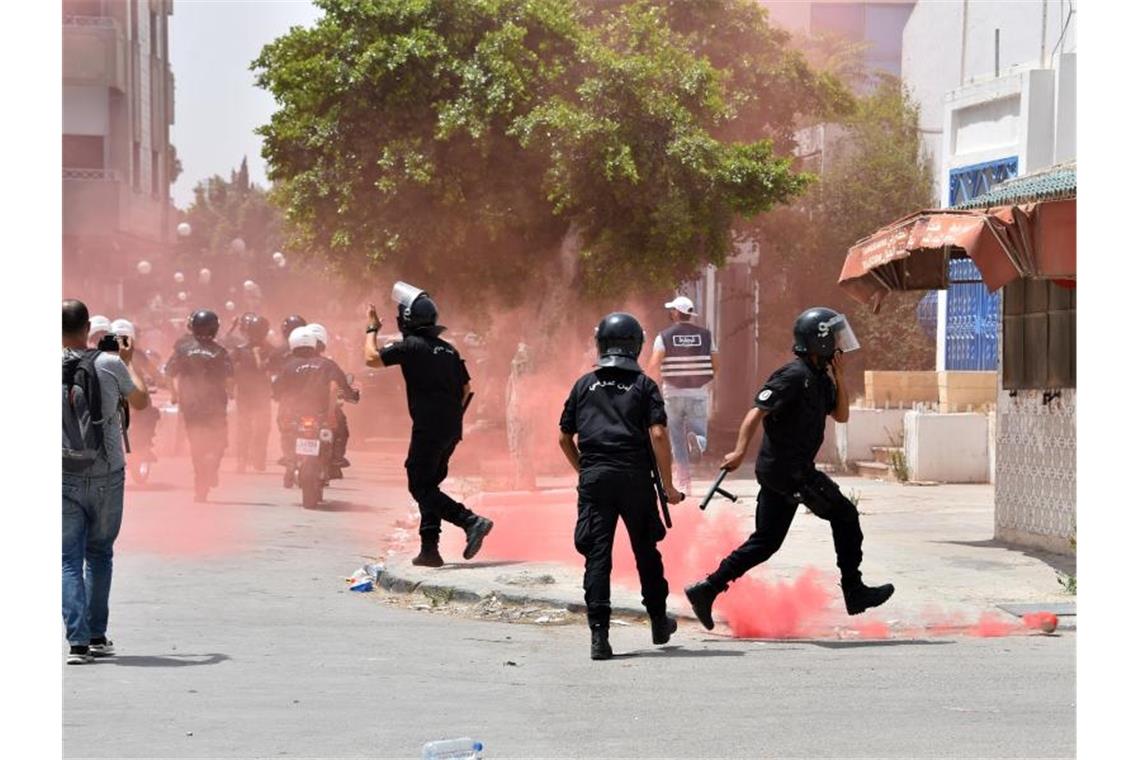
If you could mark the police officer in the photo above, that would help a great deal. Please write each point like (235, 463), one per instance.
(345, 391)
(306, 385)
(202, 374)
(252, 392)
(619, 417)
(277, 358)
(793, 407)
(438, 388)
(685, 355)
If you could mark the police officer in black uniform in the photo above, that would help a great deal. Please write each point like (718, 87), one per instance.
(438, 388)
(277, 359)
(618, 415)
(202, 374)
(305, 385)
(793, 406)
(253, 392)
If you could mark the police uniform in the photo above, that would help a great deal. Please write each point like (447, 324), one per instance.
(301, 388)
(434, 376)
(686, 372)
(253, 392)
(611, 411)
(796, 400)
(202, 367)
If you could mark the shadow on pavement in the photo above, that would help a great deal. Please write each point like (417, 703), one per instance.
(335, 505)
(1062, 562)
(678, 651)
(166, 661)
(227, 503)
(476, 565)
(875, 643)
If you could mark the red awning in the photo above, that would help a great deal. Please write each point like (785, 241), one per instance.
(1036, 240)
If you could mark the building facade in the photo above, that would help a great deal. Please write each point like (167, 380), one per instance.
(117, 160)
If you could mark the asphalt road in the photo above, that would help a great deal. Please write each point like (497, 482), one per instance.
(238, 638)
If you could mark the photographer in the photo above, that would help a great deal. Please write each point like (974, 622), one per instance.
(95, 383)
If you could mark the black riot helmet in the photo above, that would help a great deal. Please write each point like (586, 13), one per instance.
(822, 331)
(291, 323)
(204, 323)
(255, 327)
(416, 312)
(619, 337)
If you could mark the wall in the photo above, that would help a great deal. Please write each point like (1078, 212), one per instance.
(947, 448)
(1035, 481)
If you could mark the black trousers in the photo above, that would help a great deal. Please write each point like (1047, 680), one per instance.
(252, 432)
(207, 444)
(604, 496)
(774, 513)
(428, 457)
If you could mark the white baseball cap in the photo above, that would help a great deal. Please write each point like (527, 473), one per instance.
(100, 324)
(683, 305)
(124, 328)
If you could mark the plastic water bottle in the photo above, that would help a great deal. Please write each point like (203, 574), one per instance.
(453, 749)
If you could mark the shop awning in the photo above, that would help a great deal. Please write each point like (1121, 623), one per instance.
(1032, 240)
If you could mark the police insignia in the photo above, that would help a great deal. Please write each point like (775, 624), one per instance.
(765, 394)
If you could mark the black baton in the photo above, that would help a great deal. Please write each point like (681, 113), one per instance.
(716, 489)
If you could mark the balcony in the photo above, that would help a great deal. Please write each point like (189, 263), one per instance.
(94, 52)
(91, 202)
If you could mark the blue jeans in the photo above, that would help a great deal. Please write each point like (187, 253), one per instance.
(686, 415)
(92, 514)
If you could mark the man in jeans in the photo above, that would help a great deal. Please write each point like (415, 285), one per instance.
(685, 359)
(93, 500)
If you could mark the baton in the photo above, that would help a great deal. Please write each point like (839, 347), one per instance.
(466, 403)
(716, 489)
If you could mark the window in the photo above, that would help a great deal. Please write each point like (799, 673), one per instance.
(1039, 334)
(970, 182)
(136, 166)
(82, 152)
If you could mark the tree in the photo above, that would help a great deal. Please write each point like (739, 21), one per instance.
(468, 141)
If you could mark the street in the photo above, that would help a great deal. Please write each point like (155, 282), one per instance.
(237, 637)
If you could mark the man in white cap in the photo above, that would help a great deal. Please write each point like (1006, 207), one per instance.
(685, 358)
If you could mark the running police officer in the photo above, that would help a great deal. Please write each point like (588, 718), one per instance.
(619, 417)
(793, 406)
(685, 355)
(438, 389)
(202, 374)
(253, 392)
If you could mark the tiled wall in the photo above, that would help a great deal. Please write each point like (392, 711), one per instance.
(1035, 484)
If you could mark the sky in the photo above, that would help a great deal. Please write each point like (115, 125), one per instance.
(216, 103)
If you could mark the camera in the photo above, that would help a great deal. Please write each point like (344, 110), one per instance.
(109, 343)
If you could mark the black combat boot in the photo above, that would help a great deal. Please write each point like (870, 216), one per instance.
(663, 627)
(859, 597)
(600, 643)
(701, 596)
(475, 534)
(429, 553)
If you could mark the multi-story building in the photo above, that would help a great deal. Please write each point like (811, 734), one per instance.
(118, 106)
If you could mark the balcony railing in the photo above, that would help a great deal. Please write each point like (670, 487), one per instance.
(91, 175)
(88, 21)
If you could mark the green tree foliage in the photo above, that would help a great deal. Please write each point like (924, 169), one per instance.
(235, 208)
(876, 173)
(463, 139)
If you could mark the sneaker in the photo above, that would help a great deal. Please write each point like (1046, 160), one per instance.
(428, 557)
(859, 597)
(663, 627)
(701, 596)
(102, 647)
(600, 644)
(475, 535)
(80, 654)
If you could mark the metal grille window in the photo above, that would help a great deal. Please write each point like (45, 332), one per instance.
(1039, 336)
(973, 181)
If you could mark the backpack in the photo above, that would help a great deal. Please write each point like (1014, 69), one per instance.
(82, 411)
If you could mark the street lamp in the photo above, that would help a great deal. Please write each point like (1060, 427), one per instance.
(143, 267)
(179, 277)
(204, 276)
(237, 245)
(184, 229)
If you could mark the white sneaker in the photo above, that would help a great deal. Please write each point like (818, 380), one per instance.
(79, 655)
(106, 649)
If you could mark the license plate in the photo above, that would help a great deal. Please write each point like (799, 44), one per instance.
(309, 447)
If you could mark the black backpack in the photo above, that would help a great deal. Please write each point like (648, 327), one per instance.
(82, 411)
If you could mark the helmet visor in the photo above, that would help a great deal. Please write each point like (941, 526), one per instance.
(845, 339)
(405, 294)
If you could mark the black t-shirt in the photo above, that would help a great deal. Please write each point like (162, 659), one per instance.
(611, 411)
(251, 381)
(796, 400)
(434, 375)
(302, 385)
(277, 358)
(202, 367)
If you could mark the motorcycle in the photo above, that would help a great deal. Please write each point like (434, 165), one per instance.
(312, 454)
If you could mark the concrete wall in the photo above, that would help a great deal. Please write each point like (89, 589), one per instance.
(947, 448)
(892, 389)
(966, 391)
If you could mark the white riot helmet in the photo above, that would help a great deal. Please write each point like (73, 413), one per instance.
(319, 332)
(302, 337)
(100, 325)
(123, 328)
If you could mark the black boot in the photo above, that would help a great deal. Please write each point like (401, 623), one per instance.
(701, 596)
(600, 644)
(663, 627)
(859, 597)
(475, 534)
(429, 553)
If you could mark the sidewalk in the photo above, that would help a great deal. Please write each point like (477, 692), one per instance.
(934, 543)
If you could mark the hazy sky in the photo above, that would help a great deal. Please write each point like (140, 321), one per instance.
(216, 104)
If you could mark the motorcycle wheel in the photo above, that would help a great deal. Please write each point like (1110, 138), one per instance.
(310, 485)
